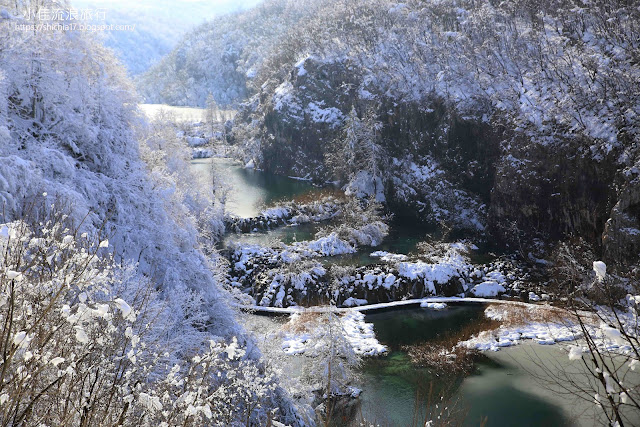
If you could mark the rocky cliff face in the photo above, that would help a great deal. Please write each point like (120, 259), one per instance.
(551, 191)
(471, 172)
(438, 165)
(621, 237)
(301, 115)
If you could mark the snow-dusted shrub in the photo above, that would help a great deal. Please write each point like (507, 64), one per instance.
(73, 348)
(86, 341)
(217, 387)
(361, 223)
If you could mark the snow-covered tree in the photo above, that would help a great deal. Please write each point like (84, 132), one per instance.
(357, 158)
(86, 341)
(104, 283)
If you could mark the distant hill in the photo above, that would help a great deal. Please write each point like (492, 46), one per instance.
(157, 26)
(223, 56)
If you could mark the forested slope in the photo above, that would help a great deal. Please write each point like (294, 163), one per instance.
(519, 119)
(221, 58)
(111, 291)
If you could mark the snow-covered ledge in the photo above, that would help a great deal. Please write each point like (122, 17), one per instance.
(379, 306)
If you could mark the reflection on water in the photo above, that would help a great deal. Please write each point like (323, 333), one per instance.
(390, 384)
(492, 395)
(250, 189)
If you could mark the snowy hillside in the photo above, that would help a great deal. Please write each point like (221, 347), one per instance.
(154, 27)
(80, 147)
(461, 112)
(221, 57)
(103, 273)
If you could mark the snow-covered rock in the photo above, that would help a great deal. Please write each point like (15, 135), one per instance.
(488, 289)
(433, 305)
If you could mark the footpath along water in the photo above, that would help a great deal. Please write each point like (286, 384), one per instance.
(500, 389)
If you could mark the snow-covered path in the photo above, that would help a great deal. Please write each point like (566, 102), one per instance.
(379, 306)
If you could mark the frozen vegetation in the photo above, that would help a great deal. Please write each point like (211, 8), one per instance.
(112, 311)
(290, 213)
(357, 332)
(289, 275)
(511, 125)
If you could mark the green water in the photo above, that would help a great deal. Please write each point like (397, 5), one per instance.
(494, 392)
(498, 390)
(285, 234)
(406, 326)
(402, 239)
(251, 190)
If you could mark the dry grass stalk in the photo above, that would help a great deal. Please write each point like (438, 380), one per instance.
(520, 315)
(444, 355)
(304, 322)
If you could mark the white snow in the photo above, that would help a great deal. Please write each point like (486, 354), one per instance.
(357, 332)
(488, 289)
(545, 334)
(534, 297)
(295, 344)
(434, 305)
(81, 335)
(124, 308)
(389, 257)
(20, 338)
(4, 232)
(600, 269)
(364, 185)
(319, 114)
(325, 246)
(612, 333)
(300, 66)
(351, 302)
(360, 335)
(56, 361)
(549, 333)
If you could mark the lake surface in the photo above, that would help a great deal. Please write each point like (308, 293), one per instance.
(249, 190)
(252, 190)
(500, 391)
